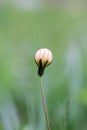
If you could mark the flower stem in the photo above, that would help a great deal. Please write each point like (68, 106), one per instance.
(44, 104)
(67, 112)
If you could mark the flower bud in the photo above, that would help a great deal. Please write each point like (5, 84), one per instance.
(43, 58)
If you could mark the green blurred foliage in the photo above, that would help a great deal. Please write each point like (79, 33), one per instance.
(21, 34)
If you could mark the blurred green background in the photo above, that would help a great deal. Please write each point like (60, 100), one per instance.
(26, 26)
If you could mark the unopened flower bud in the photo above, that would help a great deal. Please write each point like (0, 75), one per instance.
(43, 58)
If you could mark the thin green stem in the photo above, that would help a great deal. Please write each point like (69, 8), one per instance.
(44, 104)
(67, 112)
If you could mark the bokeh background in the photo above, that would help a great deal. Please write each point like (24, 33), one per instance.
(25, 26)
